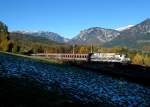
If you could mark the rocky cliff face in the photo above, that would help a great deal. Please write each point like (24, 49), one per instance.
(85, 86)
(95, 35)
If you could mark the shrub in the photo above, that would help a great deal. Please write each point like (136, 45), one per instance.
(147, 60)
(138, 59)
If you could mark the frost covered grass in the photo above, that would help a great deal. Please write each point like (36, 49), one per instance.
(82, 85)
(23, 92)
(27, 92)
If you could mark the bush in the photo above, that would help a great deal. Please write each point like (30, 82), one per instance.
(16, 49)
(147, 60)
(138, 59)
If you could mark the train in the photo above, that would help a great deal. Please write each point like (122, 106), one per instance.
(90, 57)
(108, 57)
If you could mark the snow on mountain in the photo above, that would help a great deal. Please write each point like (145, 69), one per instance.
(124, 27)
(49, 35)
(131, 36)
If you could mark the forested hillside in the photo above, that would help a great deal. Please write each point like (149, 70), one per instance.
(31, 43)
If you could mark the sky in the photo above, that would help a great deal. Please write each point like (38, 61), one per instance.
(69, 17)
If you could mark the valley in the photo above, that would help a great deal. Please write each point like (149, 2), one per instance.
(74, 53)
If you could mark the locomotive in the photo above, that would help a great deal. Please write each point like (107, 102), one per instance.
(108, 57)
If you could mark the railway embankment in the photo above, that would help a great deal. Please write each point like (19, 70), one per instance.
(135, 73)
(79, 84)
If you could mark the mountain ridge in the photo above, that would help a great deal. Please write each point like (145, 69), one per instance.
(128, 37)
(94, 34)
(46, 34)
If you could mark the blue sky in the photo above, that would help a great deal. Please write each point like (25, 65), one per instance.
(69, 17)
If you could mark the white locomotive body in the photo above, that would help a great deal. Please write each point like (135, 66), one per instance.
(109, 57)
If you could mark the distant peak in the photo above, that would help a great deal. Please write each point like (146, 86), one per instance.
(94, 28)
(146, 20)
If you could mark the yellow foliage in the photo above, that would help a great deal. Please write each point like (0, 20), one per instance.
(83, 50)
(147, 60)
(137, 59)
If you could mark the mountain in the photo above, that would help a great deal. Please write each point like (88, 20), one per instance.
(137, 36)
(49, 35)
(95, 35)
(27, 40)
(143, 27)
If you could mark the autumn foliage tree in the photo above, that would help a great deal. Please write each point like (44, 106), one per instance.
(147, 60)
(83, 50)
(138, 59)
(5, 43)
